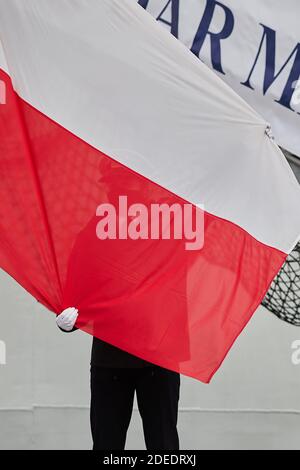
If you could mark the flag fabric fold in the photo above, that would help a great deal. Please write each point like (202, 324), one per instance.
(101, 102)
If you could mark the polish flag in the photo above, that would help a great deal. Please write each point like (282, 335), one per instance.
(101, 102)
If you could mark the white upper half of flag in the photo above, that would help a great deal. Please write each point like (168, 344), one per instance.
(107, 72)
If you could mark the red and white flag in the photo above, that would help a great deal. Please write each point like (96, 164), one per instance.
(98, 102)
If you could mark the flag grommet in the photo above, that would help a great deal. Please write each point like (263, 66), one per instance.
(269, 132)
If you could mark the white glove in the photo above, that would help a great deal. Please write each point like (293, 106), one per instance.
(67, 319)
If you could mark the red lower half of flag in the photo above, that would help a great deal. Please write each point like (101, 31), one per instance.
(181, 309)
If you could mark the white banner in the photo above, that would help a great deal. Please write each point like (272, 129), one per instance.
(254, 46)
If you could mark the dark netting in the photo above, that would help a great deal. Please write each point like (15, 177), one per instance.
(283, 297)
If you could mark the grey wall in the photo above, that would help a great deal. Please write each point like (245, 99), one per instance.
(253, 401)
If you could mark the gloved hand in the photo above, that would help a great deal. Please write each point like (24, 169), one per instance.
(66, 320)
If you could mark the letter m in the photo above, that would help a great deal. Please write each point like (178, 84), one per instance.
(269, 38)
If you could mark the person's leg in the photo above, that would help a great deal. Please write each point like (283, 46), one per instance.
(112, 394)
(158, 395)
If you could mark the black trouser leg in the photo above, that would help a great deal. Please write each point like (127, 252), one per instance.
(158, 394)
(112, 393)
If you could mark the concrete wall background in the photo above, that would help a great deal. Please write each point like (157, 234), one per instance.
(253, 401)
